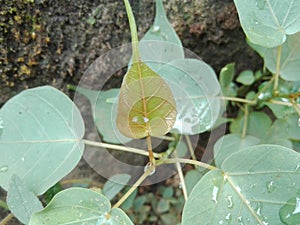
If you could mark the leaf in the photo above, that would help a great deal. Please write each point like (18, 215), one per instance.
(226, 77)
(290, 212)
(160, 44)
(290, 58)
(267, 22)
(21, 201)
(79, 206)
(41, 140)
(195, 88)
(104, 113)
(250, 189)
(258, 124)
(115, 184)
(191, 179)
(246, 77)
(146, 105)
(231, 143)
(1, 126)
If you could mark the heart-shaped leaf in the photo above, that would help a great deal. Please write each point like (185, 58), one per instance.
(79, 206)
(160, 44)
(41, 139)
(267, 22)
(146, 105)
(21, 201)
(251, 188)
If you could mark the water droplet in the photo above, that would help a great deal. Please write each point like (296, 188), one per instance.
(228, 218)
(148, 165)
(258, 208)
(215, 194)
(221, 222)
(156, 29)
(240, 220)
(229, 201)
(299, 122)
(140, 119)
(23, 159)
(260, 4)
(297, 167)
(297, 207)
(3, 169)
(270, 186)
(1, 126)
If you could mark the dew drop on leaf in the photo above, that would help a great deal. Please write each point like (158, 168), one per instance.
(260, 4)
(155, 29)
(229, 201)
(3, 169)
(298, 123)
(215, 194)
(147, 167)
(270, 186)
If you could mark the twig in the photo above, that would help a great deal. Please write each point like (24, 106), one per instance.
(189, 161)
(246, 120)
(190, 147)
(276, 75)
(181, 177)
(7, 219)
(120, 148)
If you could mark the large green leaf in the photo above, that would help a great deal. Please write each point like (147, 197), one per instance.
(79, 206)
(195, 88)
(250, 188)
(290, 58)
(21, 201)
(267, 22)
(231, 143)
(104, 113)
(41, 140)
(160, 44)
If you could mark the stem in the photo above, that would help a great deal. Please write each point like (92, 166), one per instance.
(135, 186)
(181, 177)
(150, 151)
(282, 103)
(7, 219)
(190, 147)
(276, 79)
(189, 161)
(246, 118)
(295, 105)
(133, 30)
(120, 148)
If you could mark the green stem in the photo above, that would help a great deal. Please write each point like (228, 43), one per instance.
(120, 148)
(276, 75)
(246, 118)
(133, 30)
(135, 186)
(6, 219)
(181, 177)
(189, 161)
(190, 147)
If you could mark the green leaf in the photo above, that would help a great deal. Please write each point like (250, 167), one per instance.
(115, 184)
(246, 77)
(21, 201)
(226, 77)
(231, 143)
(195, 86)
(41, 140)
(163, 205)
(146, 105)
(160, 44)
(191, 179)
(290, 212)
(104, 113)
(250, 189)
(51, 192)
(79, 206)
(267, 22)
(290, 58)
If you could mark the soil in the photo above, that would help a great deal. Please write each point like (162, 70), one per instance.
(52, 42)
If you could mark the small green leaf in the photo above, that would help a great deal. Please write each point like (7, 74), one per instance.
(252, 187)
(21, 201)
(267, 22)
(51, 192)
(42, 139)
(160, 44)
(290, 58)
(163, 205)
(78, 206)
(194, 85)
(231, 143)
(226, 77)
(246, 77)
(115, 184)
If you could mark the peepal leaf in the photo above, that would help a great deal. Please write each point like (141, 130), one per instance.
(160, 44)
(146, 105)
(79, 206)
(267, 22)
(21, 201)
(41, 140)
(290, 58)
(250, 188)
(195, 87)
